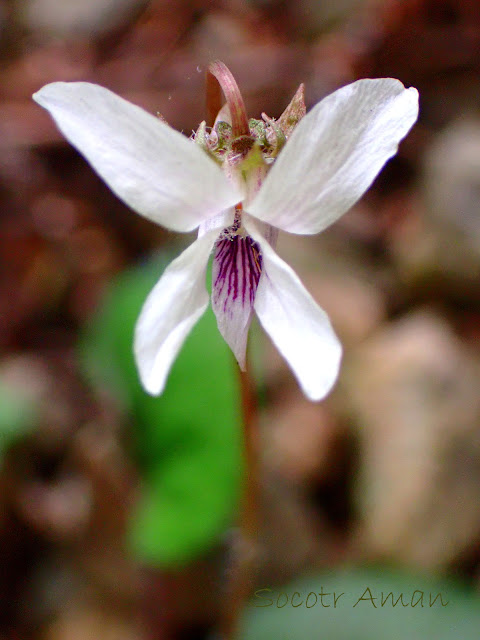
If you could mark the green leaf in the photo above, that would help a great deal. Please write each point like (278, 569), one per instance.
(17, 417)
(359, 614)
(187, 442)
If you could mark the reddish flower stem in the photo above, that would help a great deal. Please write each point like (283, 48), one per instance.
(241, 573)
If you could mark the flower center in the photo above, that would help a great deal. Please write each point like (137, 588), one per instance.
(229, 233)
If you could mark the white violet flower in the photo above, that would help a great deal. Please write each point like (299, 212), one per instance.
(238, 186)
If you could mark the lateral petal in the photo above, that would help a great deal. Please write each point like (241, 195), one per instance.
(154, 169)
(299, 328)
(171, 310)
(334, 154)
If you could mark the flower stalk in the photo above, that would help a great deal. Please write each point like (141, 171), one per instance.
(245, 545)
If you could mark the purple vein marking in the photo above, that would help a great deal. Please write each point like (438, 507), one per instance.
(237, 270)
(237, 266)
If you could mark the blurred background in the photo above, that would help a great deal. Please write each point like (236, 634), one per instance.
(116, 508)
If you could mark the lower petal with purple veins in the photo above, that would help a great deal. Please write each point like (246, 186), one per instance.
(237, 266)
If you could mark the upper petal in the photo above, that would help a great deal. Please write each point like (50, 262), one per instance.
(334, 154)
(299, 328)
(154, 169)
(172, 308)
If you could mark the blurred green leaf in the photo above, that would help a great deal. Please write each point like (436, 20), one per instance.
(187, 441)
(17, 416)
(272, 616)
